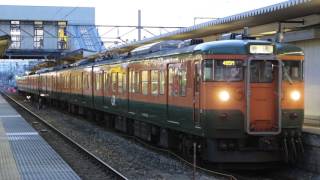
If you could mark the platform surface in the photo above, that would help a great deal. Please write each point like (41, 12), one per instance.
(312, 125)
(24, 154)
(311, 129)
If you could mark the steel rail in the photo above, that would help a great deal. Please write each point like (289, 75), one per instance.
(91, 155)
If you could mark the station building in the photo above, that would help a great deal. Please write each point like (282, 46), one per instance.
(297, 21)
(43, 32)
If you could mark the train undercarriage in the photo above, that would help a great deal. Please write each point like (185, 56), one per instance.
(286, 147)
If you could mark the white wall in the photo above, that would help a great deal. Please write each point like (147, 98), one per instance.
(74, 15)
(312, 77)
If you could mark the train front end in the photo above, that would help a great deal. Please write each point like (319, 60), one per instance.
(252, 101)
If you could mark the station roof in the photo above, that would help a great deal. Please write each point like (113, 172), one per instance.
(73, 15)
(275, 13)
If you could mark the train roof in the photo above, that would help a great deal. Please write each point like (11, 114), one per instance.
(215, 47)
(229, 46)
(288, 49)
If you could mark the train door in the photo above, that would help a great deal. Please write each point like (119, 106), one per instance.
(98, 92)
(196, 94)
(264, 97)
(177, 104)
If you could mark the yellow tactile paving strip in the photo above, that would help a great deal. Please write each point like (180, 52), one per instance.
(8, 167)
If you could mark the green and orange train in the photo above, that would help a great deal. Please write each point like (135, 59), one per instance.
(240, 100)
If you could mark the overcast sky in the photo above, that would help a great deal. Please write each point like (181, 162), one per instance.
(154, 12)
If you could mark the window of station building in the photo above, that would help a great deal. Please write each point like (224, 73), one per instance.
(62, 35)
(38, 35)
(114, 82)
(155, 82)
(162, 82)
(15, 33)
(144, 82)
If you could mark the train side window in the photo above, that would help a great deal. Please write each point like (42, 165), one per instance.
(72, 85)
(136, 82)
(114, 82)
(65, 82)
(292, 70)
(134, 79)
(124, 82)
(106, 81)
(120, 83)
(182, 82)
(98, 81)
(171, 80)
(131, 81)
(222, 70)
(155, 82)
(162, 83)
(79, 81)
(76, 83)
(85, 81)
(144, 82)
(74, 80)
(89, 81)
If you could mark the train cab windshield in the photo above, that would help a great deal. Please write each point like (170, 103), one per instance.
(292, 70)
(223, 70)
(262, 71)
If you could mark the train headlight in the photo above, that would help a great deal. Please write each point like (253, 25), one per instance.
(295, 95)
(224, 96)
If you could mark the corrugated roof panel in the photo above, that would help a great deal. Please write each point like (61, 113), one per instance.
(287, 8)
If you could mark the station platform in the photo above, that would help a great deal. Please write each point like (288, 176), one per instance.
(24, 154)
(311, 125)
(311, 129)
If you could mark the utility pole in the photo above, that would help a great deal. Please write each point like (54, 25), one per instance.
(139, 25)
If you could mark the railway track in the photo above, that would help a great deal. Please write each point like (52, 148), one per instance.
(83, 150)
(222, 175)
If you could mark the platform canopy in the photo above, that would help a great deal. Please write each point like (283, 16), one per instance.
(275, 13)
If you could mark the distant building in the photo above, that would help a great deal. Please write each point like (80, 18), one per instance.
(41, 32)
